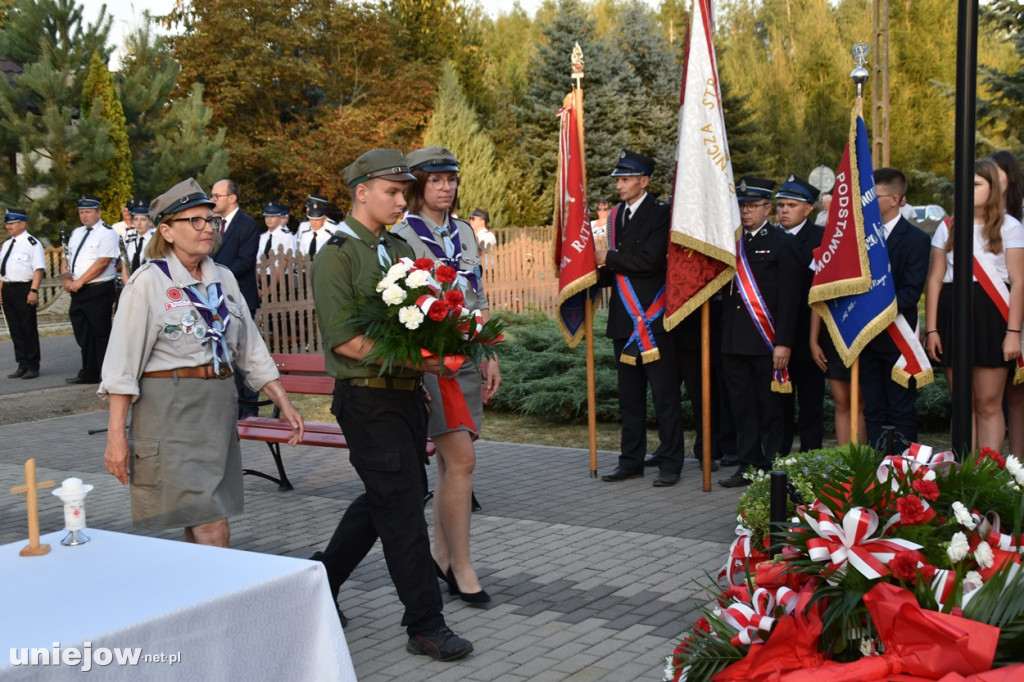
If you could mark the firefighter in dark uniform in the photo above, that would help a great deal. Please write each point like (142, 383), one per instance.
(794, 203)
(759, 323)
(634, 267)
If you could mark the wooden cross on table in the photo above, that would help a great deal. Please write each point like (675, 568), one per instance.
(33, 548)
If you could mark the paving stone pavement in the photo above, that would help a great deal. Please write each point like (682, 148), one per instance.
(590, 580)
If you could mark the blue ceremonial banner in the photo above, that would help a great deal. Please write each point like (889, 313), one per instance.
(853, 291)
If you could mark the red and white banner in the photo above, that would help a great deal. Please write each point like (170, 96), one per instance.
(705, 213)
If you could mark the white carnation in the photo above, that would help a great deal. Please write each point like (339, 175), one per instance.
(963, 516)
(410, 316)
(417, 278)
(972, 581)
(399, 269)
(958, 547)
(983, 555)
(393, 295)
(385, 283)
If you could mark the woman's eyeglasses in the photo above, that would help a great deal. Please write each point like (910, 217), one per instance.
(437, 182)
(199, 222)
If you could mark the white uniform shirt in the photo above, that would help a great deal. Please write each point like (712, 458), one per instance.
(26, 256)
(157, 328)
(102, 242)
(322, 235)
(136, 244)
(1013, 238)
(281, 236)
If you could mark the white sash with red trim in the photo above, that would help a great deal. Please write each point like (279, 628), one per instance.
(913, 360)
(759, 313)
(1000, 295)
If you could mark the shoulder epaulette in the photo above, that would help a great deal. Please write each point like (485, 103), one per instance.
(32, 240)
(105, 225)
(337, 240)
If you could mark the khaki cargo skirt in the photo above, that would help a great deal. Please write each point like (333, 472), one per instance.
(186, 464)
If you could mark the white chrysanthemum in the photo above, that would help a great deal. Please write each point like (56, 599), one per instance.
(393, 295)
(399, 269)
(958, 547)
(410, 316)
(417, 278)
(983, 555)
(385, 283)
(1016, 469)
(972, 581)
(963, 516)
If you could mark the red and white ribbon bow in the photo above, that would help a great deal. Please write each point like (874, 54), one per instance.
(850, 541)
(756, 619)
(915, 458)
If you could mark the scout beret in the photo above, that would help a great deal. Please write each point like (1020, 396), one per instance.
(632, 163)
(750, 188)
(433, 160)
(186, 194)
(388, 164)
(799, 189)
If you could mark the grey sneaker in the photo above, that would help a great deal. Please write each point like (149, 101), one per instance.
(440, 644)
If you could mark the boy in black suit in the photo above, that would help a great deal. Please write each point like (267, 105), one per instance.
(756, 348)
(634, 266)
(885, 401)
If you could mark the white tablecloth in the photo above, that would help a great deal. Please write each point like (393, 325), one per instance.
(195, 612)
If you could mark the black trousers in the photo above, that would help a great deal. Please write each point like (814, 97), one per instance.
(885, 401)
(387, 436)
(21, 320)
(663, 378)
(756, 411)
(809, 391)
(91, 312)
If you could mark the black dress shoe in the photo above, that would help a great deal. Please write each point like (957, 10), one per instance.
(475, 598)
(440, 644)
(30, 374)
(737, 480)
(621, 474)
(666, 479)
(16, 373)
(80, 380)
(651, 462)
(730, 460)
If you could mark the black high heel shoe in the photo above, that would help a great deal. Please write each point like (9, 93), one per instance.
(476, 598)
(444, 576)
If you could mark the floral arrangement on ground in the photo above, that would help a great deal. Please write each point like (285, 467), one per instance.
(420, 310)
(904, 569)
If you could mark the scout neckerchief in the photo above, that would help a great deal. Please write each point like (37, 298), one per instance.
(759, 314)
(213, 309)
(383, 257)
(641, 342)
(454, 258)
(996, 290)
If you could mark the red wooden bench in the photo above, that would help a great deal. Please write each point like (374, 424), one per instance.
(300, 374)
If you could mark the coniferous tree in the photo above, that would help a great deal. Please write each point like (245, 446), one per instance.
(100, 98)
(455, 125)
(60, 148)
(999, 107)
(185, 148)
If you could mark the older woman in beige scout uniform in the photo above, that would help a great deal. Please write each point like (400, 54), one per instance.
(433, 233)
(181, 330)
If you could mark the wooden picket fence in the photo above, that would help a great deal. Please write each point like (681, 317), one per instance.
(519, 275)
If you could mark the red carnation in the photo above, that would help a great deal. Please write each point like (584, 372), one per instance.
(445, 273)
(927, 489)
(994, 456)
(423, 264)
(438, 311)
(912, 510)
(928, 572)
(454, 298)
(702, 624)
(904, 565)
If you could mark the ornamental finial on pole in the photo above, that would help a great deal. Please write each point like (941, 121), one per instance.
(860, 75)
(577, 64)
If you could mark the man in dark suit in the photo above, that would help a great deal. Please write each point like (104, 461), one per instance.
(794, 203)
(239, 244)
(885, 401)
(755, 356)
(634, 266)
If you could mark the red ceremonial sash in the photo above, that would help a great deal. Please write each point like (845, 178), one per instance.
(913, 361)
(759, 314)
(1000, 295)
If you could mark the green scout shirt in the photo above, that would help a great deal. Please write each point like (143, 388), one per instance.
(340, 274)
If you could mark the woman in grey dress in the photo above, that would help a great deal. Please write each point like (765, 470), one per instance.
(433, 233)
(181, 330)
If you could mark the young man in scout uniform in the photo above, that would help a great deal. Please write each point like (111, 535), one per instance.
(758, 328)
(22, 264)
(634, 266)
(384, 418)
(794, 203)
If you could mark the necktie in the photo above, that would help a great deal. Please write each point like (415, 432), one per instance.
(449, 247)
(266, 249)
(312, 244)
(78, 250)
(3, 263)
(223, 226)
(137, 258)
(628, 214)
